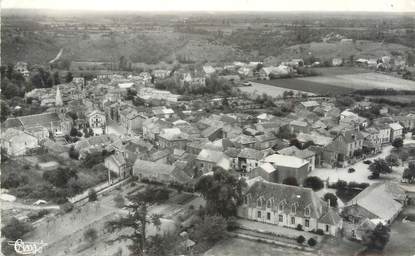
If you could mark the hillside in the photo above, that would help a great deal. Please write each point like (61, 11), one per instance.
(322, 50)
(151, 47)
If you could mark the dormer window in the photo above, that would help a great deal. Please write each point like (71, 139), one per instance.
(259, 202)
(307, 211)
(281, 207)
(269, 204)
(293, 209)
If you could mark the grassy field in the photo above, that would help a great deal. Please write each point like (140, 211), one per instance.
(396, 98)
(297, 84)
(260, 88)
(362, 81)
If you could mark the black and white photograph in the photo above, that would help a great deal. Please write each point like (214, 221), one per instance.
(207, 127)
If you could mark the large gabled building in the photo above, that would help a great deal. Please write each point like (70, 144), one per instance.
(288, 206)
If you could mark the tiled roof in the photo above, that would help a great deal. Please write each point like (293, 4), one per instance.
(294, 151)
(288, 195)
(232, 152)
(250, 153)
(378, 199)
(12, 123)
(210, 156)
(286, 161)
(45, 119)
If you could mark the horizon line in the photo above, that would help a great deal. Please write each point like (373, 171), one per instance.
(207, 11)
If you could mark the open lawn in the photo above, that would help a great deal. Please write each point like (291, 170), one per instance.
(299, 84)
(333, 71)
(241, 247)
(361, 81)
(274, 90)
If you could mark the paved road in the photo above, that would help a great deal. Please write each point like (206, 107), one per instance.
(15, 205)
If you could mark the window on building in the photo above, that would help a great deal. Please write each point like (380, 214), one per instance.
(281, 207)
(280, 218)
(292, 220)
(268, 215)
(327, 228)
(269, 204)
(245, 200)
(256, 164)
(293, 209)
(259, 202)
(259, 214)
(307, 211)
(307, 223)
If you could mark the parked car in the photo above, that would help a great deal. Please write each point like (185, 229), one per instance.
(351, 170)
(367, 162)
(246, 83)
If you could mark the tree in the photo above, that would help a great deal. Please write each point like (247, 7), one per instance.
(15, 229)
(284, 132)
(222, 191)
(68, 77)
(409, 173)
(314, 183)
(56, 78)
(137, 219)
(92, 195)
(13, 180)
(164, 245)
(379, 166)
(332, 198)
(211, 228)
(5, 110)
(73, 153)
(60, 177)
(74, 132)
(311, 242)
(91, 235)
(292, 181)
(397, 143)
(377, 238)
(300, 239)
(403, 155)
(392, 160)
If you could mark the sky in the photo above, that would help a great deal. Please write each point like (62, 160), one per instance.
(218, 5)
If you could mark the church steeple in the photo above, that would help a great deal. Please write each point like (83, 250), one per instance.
(58, 98)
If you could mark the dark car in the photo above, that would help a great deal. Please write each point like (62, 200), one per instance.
(351, 170)
(367, 162)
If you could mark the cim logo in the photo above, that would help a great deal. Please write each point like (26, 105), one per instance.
(27, 248)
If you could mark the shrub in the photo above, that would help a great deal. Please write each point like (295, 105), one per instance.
(312, 242)
(15, 229)
(232, 224)
(299, 227)
(37, 215)
(332, 198)
(300, 239)
(13, 180)
(119, 201)
(92, 195)
(320, 232)
(91, 235)
(314, 183)
(341, 184)
(292, 181)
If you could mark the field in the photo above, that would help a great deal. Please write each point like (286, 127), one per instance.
(274, 91)
(333, 81)
(297, 84)
(396, 98)
(363, 81)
